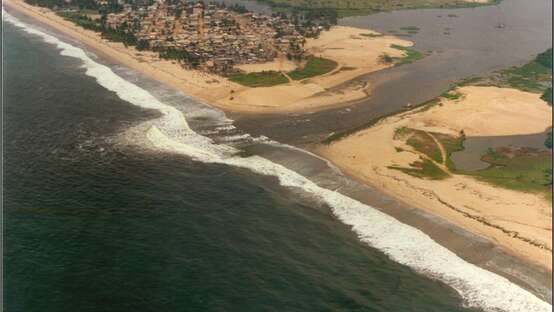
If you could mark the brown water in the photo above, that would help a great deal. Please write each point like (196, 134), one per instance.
(474, 46)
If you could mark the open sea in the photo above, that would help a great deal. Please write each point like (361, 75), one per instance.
(110, 205)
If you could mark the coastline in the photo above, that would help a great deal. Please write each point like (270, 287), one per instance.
(161, 80)
(489, 211)
(335, 89)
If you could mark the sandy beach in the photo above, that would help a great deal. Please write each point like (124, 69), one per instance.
(358, 155)
(355, 53)
(517, 221)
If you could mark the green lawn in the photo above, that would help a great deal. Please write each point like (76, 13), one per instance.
(261, 79)
(315, 66)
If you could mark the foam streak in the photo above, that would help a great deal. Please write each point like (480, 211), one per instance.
(402, 243)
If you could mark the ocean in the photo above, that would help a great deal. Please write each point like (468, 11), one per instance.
(113, 203)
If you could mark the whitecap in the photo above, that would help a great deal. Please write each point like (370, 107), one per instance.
(402, 243)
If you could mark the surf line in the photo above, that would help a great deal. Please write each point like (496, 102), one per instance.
(402, 243)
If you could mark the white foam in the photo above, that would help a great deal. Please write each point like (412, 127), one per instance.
(402, 243)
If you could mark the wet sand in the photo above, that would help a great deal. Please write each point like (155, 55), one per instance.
(468, 246)
(517, 221)
(344, 45)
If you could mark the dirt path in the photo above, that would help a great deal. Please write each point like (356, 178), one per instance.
(440, 146)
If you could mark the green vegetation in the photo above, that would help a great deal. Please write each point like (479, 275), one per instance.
(81, 19)
(387, 59)
(315, 66)
(81, 4)
(410, 55)
(450, 144)
(524, 169)
(425, 169)
(364, 7)
(372, 35)
(261, 79)
(545, 58)
(422, 142)
(548, 141)
(451, 95)
(335, 136)
(547, 96)
(535, 76)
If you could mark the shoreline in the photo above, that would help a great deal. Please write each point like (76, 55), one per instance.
(488, 211)
(347, 46)
(119, 61)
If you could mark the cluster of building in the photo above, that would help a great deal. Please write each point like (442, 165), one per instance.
(214, 36)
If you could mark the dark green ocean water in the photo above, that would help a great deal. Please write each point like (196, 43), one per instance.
(94, 225)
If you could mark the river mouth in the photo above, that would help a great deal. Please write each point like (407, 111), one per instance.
(199, 126)
(473, 46)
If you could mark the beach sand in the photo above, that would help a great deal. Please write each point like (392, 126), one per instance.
(355, 53)
(372, 147)
(463, 200)
(358, 54)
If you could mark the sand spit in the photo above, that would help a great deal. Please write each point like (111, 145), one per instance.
(509, 218)
(357, 52)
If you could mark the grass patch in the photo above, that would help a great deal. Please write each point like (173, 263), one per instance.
(261, 79)
(525, 169)
(451, 144)
(372, 35)
(548, 140)
(336, 136)
(423, 143)
(547, 96)
(451, 95)
(343, 8)
(410, 55)
(535, 76)
(469, 81)
(424, 169)
(315, 66)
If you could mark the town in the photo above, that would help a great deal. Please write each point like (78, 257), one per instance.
(211, 37)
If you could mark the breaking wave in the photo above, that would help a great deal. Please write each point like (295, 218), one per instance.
(402, 243)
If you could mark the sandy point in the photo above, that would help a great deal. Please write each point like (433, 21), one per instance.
(511, 219)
